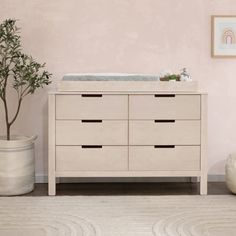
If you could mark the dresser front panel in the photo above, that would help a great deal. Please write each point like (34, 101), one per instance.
(76, 132)
(164, 106)
(87, 158)
(172, 132)
(92, 106)
(149, 158)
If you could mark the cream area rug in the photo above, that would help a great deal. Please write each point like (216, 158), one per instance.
(118, 216)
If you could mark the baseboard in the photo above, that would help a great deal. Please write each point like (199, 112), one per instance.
(216, 178)
(211, 178)
(41, 179)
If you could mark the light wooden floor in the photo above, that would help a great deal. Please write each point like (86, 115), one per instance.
(214, 188)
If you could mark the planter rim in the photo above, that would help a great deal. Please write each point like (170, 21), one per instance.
(16, 141)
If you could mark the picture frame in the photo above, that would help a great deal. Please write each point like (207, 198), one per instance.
(223, 36)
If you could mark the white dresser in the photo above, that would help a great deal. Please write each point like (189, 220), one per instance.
(127, 134)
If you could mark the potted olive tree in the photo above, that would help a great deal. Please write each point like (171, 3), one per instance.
(24, 75)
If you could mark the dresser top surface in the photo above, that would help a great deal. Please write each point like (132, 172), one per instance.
(127, 87)
(125, 92)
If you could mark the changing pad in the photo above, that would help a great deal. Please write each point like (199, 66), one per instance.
(109, 77)
(118, 82)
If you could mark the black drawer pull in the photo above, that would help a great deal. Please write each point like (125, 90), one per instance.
(164, 146)
(91, 95)
(91, 121)
(164, 95)
(91, 146)
(164, 121)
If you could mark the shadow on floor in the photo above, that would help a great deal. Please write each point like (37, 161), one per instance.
(130, 189)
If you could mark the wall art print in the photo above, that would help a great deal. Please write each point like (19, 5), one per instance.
(223, 36)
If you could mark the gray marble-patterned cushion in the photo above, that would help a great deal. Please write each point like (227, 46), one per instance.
(107, 77)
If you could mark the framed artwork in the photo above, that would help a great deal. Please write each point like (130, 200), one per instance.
(223, 36)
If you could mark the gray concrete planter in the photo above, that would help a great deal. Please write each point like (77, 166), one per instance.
(17, 172)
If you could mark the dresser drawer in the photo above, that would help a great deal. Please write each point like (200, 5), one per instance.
(168, 132)
(91, 158)
(164, 106)
(85, 132)
(175, 158)
(93, 106)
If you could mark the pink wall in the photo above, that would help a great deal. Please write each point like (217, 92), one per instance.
(134, 36)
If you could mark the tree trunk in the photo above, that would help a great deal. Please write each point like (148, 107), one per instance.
(8, 132)
(8, 126)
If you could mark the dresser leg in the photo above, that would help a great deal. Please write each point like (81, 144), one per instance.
(52, 186)
(203, 185)
(51, 144)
